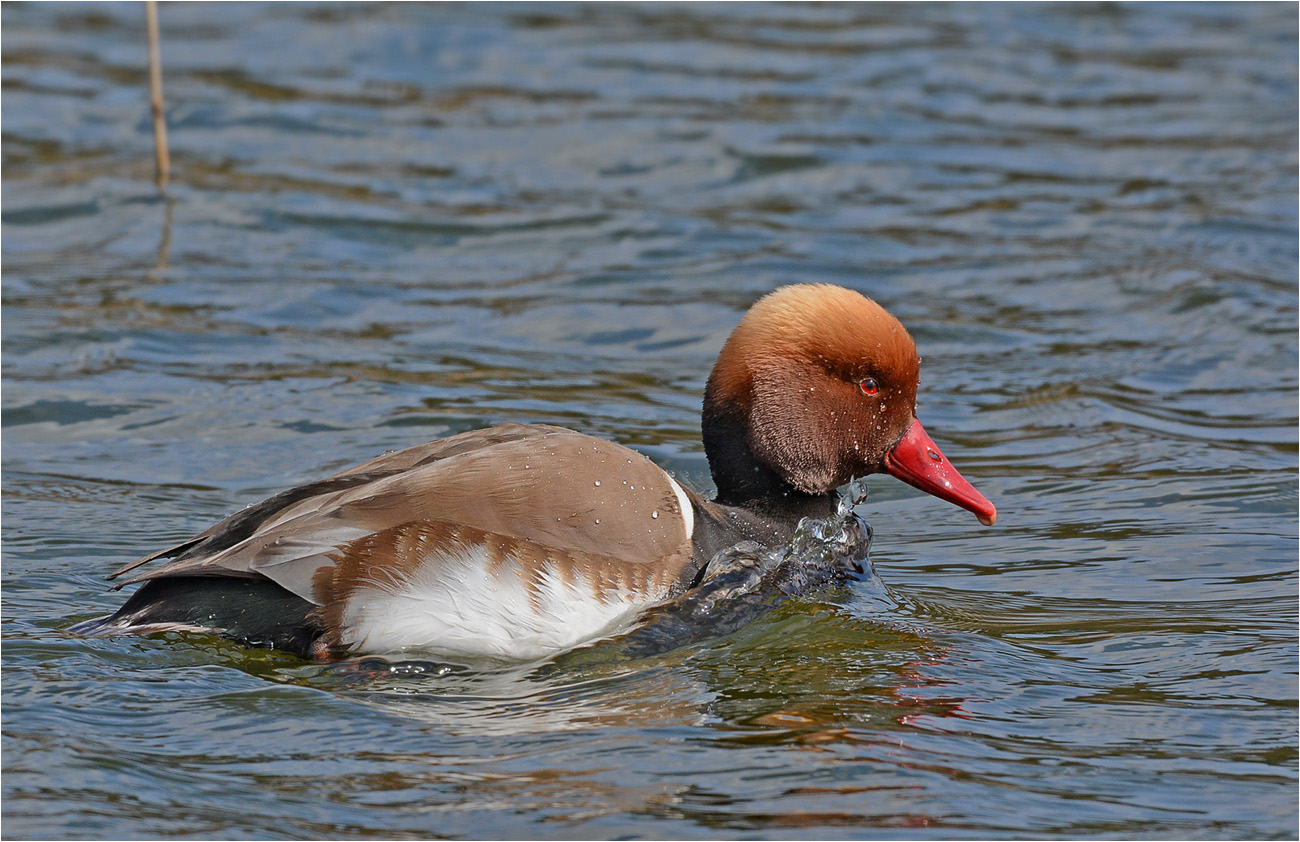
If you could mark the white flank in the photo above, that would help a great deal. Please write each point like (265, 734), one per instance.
(455, 605)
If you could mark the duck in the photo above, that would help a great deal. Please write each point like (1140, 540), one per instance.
(522, 541)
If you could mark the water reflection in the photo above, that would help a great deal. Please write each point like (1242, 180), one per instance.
(519, 699)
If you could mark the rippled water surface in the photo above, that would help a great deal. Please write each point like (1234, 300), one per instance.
(391, 223)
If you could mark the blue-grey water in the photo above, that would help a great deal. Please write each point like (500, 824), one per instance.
(388, 223)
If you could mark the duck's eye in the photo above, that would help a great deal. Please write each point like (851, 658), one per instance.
(869, 386)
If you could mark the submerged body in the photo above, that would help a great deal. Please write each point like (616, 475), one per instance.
(520, 541)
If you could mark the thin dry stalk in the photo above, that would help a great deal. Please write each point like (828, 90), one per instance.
(161, 159)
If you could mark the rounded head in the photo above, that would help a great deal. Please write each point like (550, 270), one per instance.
(817, 385)
(826, 379)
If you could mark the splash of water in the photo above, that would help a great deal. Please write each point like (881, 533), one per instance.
(744, 581)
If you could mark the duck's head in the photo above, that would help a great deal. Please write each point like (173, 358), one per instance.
(815, 386)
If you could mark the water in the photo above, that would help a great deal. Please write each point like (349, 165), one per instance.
(392, 223)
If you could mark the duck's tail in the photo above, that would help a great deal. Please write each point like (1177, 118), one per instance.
(254, 612)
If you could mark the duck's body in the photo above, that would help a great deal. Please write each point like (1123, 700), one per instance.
(522, 541)
(514, 541)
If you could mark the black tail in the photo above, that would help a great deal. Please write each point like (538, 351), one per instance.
(254, 612)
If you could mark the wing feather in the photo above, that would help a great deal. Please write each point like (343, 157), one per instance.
(562, 490)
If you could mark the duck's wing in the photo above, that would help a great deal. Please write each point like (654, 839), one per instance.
(537, 493)
(259, 517)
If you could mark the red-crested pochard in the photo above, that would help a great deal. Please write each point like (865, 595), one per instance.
(521, 541)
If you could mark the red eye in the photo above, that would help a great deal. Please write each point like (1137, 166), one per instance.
(869, 386)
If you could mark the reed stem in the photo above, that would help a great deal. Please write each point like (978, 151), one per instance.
(162, 160)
